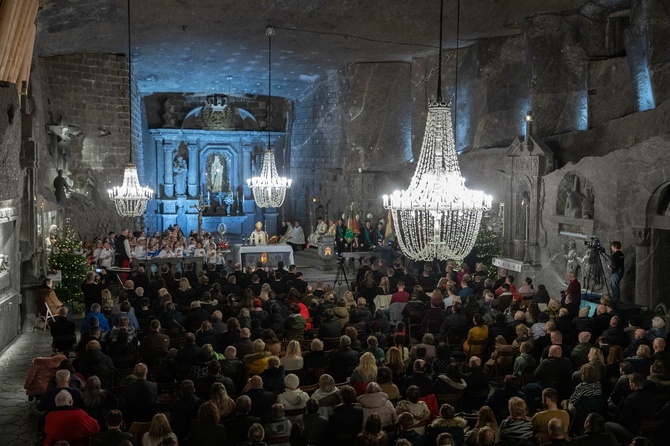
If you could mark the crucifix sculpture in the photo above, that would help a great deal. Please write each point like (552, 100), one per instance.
(201, 206)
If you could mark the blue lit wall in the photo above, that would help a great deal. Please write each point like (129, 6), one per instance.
(582, 111)
(643, 88)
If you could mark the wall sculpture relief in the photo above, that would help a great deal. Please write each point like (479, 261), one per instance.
(575, 198)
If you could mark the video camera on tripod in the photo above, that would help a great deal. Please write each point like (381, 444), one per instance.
(596, 258)
(595, 249)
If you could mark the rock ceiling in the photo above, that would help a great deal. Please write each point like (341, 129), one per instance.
(195, 45)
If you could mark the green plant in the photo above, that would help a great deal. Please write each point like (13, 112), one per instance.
(68, 258)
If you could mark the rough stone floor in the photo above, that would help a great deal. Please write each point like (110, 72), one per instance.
(18, 416)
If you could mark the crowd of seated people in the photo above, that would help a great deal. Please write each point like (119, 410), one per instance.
(245, 357)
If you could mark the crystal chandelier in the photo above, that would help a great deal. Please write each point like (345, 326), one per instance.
(437, 216)
(130, 198)
(269, 188)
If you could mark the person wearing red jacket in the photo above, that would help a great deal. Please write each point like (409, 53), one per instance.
(69, 423)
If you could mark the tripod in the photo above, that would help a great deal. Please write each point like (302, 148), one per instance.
(596, 273)
(341, 270)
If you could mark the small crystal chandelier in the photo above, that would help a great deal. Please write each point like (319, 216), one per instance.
(437, 216)
(130, 198)
(269, 188)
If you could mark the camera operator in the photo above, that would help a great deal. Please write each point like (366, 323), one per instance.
(616, 269)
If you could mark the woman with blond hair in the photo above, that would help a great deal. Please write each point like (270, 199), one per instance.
(516, 429)
(553, 307)
(160, 427)
(293, 361)
(225, 404)
(522, 335)
(384, 287)
(395, 362)
(264, 295)
(185, 294)
(364, 373)
(328, 395)
(349, 300)
(107, 301)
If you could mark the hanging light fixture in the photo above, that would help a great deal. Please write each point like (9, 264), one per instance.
(437, 216)
(269, 188)
(130, 198)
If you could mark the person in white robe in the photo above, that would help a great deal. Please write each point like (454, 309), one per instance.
(258, 236)
(296, 238)
(321, 229)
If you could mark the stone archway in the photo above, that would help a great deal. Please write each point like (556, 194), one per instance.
(653, 253)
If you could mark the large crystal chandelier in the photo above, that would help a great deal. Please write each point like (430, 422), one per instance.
(269, 188)
(437, 216)
(130, 198)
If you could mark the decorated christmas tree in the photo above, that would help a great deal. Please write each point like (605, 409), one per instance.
(487, 247)
(67, 257)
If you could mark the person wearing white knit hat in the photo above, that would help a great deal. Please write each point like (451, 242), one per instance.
(293, 399)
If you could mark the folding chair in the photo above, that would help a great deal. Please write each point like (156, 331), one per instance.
(49, 314)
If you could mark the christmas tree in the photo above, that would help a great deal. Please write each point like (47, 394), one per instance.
(487, 247)
(68, 258)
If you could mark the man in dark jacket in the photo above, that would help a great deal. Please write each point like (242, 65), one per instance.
(455, 319)
(346, 421)
(184, 409)
(261, 399)
(233, 368)
(188, 355)
(555, 372)
(155, 345)
(594, 432)
(329, 328)
(477, 380)
(195, 317)
(140, 397)
(636, 408)
(238, 426)
(343, 361)
(63, 331)
(244, 346)
(113, 436)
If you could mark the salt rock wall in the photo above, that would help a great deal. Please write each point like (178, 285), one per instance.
(10, 142)
(349, 134)
(623, 182)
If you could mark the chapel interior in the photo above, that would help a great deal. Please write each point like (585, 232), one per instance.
(549, 98)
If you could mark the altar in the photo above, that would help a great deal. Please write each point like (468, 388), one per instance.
(268, 255)
(202, 176)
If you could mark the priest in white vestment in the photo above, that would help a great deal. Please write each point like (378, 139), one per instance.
(296, 237)
(258, 236)
(320, 230)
